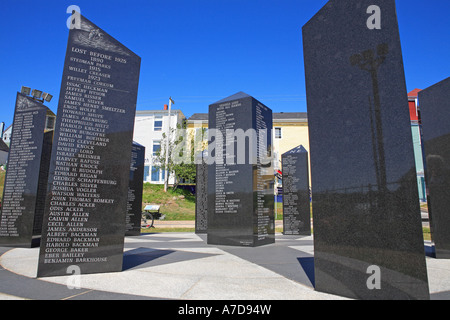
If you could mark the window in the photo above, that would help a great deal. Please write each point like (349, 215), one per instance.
(155, 174)
(156, 147)
(146, 173)
(50, 123)
(277, 133)
(157, 125)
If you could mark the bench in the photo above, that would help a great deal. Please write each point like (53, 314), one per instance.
(154, 210)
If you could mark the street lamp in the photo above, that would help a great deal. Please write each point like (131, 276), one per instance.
(47, 97)
(36, 95)
(25, 90)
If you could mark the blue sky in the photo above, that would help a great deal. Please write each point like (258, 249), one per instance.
(200, 51)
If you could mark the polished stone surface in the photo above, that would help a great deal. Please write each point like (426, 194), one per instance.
(240, 182)
(27, 174)
(296, 194)
(434, 105)
(135, 190)
(368, 240)
(84, 222)
(43, 182)
(201, 193)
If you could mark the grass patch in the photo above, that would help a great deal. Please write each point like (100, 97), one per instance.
(424, 207)
(176, 205)
(426, 233)
(165, 230)
(2, 183)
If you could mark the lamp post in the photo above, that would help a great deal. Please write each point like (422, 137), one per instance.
(36, 95)
(370, 62)
(166, 180)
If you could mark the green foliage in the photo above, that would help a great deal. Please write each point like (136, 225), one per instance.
(181, 153)
(176, 204)
(2, 183)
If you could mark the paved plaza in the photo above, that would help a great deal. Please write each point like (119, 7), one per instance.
(182, 266)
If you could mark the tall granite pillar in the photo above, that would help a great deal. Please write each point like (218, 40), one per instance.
(135, 190)
(368, 241)
(434, 105)
(86, 206)
(296, 195)
(27, 173)
(240, 173)
(201, 193)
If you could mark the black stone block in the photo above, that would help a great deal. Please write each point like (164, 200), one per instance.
(86, 206)
(135, 190)
(434, 105)
(201, 194)
(27, 173)
(296, 194)
(367, 222)
(240, 183)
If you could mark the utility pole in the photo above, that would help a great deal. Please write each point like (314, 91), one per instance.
(166, 180)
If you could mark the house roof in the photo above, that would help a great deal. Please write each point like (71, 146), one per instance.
(276, 116)
(199, 116)
(7, 128)
(414, 93)
(290, 116)
(163, 112)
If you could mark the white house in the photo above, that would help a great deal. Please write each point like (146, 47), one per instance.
(6, 136)
(149, 127)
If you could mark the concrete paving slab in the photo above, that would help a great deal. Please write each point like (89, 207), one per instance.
(183, 266)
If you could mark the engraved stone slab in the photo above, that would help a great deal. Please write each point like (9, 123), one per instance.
(27, 173)
(240, 183)
(86, 207)
(368, 241)
(201, 194)
(296, 195)
(434, 105)
(135, 190)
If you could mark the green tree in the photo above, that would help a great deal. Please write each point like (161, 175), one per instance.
(181, 155)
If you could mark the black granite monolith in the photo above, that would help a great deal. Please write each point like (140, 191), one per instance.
(86, 206)
(135, 190)
(27, 173)
(434, 105)
(201, 193)
(368, 241)
(240, 173)
(296, 195)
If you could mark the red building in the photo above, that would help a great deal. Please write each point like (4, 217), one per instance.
(414, 111)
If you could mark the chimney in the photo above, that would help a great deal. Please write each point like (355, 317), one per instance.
(166, 107)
